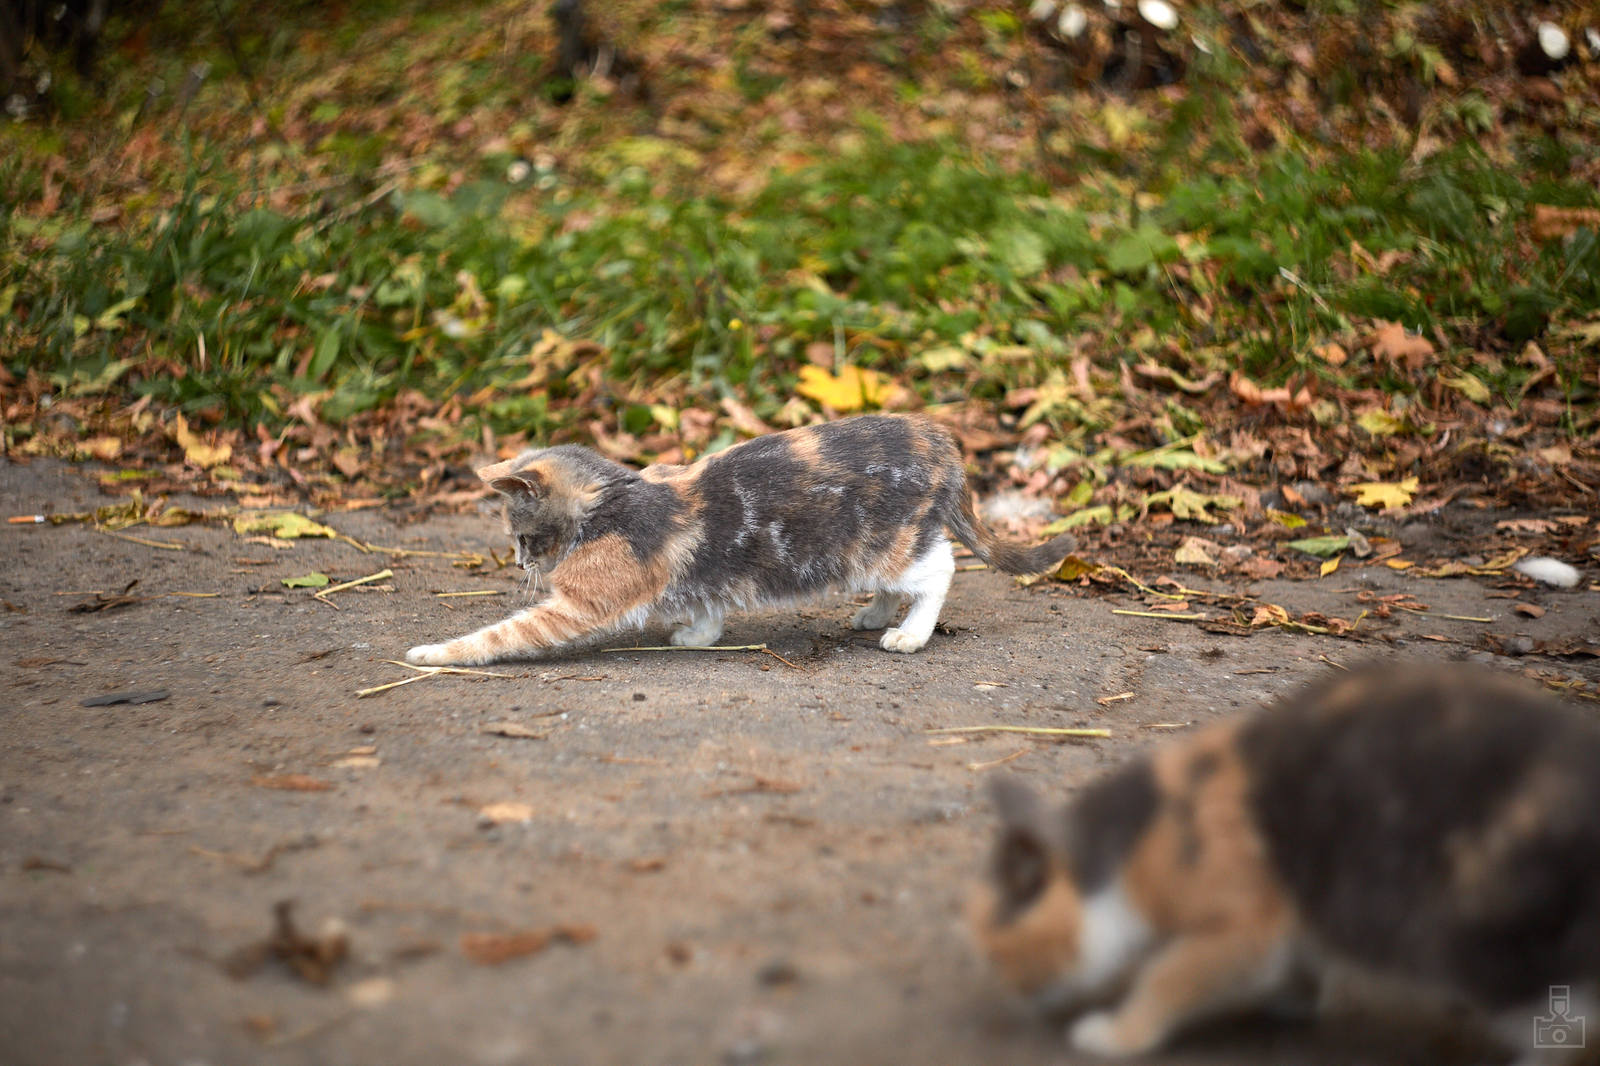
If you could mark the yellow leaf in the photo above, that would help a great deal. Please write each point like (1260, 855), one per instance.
(1468, 386)
(1269, 614)
(284, 525)
(1399, 564)
(196, 450)
(107, 448)
(1384, 494)
(1195, 551)
(1072, 568)
(1329, 566)
(853, 388)
(1380, 423)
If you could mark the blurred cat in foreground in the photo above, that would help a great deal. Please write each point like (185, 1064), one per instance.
(1436, 825)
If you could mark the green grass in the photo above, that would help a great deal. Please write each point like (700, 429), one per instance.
(886, 251)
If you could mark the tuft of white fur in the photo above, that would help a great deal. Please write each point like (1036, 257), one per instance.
(1013, 507)
(1550, 571)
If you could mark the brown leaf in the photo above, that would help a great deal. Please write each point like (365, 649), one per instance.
(492, 949)
(292, 782)
(1390, 343)
(1551, 223)
(1528, 610)
(1261, 568)
(500, 813)
(743, 418)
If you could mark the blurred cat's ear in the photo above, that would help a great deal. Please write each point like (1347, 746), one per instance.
(1016, 802)
(1021, 867)
(530, 482)
(1022, 862)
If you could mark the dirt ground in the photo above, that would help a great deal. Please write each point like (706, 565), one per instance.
(771, 857)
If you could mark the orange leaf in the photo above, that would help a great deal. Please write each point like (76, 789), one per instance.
(1390, 343)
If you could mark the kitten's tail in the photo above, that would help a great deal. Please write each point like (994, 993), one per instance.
(1002, 554)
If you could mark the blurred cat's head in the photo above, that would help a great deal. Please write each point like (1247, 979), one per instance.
(1028, 916)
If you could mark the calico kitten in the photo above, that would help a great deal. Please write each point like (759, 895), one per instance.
(858, 505)
(1442, 828)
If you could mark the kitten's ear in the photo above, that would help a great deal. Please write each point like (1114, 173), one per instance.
(1016, 802)
(528, 482)
(1022, 862)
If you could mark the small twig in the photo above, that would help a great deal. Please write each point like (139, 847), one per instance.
(690, 647)
(1167, 615)
(424, 672)
(1019, 753)
(1441, 614)
(430, 670)
(1025, 730)
(421, 553)
(781, 659)
(169, 546)
(1106, 701)
(470, 592)
(323, 594)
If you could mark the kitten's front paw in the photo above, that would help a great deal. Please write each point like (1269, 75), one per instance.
(1096, 1033)
(900, 640)
(428, 655)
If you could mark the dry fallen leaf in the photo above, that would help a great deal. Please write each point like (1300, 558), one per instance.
(1384, 494)
(292, 782)
(281, 525)
(501, 813)
(1390, 343)
(492, 949)
(1195, 551)
(196, 450)
(852, 389)
(1552, 223)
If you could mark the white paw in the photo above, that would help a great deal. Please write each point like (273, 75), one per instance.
(1096, 1034)
(428, 655)
(900, 640)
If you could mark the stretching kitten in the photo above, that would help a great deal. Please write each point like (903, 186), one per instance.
(1440, 828)
(859, 505)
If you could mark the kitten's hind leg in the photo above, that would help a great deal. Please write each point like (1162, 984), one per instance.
(879, 613)
(927, 581)
(704, 628)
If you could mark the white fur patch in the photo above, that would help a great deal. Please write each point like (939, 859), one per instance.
(1115, 935)
(1549, 571)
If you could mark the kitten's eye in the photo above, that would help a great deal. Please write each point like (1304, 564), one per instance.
(1021, 868)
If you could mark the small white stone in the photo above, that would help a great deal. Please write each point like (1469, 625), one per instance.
(1159, 13)
(1553, 41)
(1041, 10)
(1073, 21)
(1549, 571)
